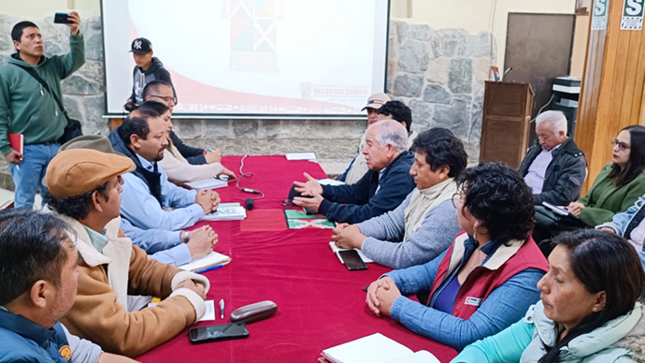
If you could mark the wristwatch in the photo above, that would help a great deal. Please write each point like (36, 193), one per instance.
(186, 236)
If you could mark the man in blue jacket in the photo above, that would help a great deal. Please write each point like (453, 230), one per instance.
(380, 190)
(37, 288)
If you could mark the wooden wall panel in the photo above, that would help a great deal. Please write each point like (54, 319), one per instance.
(612, 94)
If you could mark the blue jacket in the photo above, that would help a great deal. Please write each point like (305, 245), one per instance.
(625, 222)
(22, 340)
(359, 202)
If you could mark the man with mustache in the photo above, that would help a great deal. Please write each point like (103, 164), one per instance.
(143, 137)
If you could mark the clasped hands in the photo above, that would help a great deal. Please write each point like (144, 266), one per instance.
(381, 295)
(348, 236)
(310, 188)
(208, 199)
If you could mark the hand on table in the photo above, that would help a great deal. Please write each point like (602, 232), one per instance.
(75, 22)
(191, 285)
(208, 199)
(13, 157)
(201, 241)
(373, 301)
(348, 236)
(575, 208)
(231, 175)
(212, 156)
(310, 187)
(311, 203)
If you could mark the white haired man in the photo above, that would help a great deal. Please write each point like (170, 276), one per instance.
(554, 167)
(380, 190)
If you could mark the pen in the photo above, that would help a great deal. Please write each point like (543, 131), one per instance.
(221, 309)
(209, 269)
(209, 149)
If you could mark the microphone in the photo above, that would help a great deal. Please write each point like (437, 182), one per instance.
(249, 203)
(247, 190)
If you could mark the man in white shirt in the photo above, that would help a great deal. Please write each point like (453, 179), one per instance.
(554, 167)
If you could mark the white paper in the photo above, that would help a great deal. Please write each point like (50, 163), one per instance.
(210, 311)
(211, 183)
(330, 182)
(224, 213)
(335, 249)
(300, 156)
(374, 348)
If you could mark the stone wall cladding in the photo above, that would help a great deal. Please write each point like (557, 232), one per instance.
(438, 73)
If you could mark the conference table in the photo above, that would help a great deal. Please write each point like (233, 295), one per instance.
(320, 303)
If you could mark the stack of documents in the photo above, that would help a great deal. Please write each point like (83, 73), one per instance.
(227, 212)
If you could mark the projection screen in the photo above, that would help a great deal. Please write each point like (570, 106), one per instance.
(253, 58)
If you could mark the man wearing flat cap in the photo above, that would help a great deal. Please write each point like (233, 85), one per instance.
(85, 187)
(169, 247)
(358, 166)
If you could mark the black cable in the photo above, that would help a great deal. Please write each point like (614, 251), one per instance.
(244, 175)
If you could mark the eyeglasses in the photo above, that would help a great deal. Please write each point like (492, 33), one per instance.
(168, 99)
(622, 146)
(456, 200)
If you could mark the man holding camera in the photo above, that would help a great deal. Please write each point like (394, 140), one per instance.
(30, 109)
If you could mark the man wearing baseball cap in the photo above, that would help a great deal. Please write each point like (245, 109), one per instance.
(147, 69)
(358, 167)
(85, 187)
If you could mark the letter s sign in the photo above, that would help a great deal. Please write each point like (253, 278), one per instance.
(634, 7)
(600, 7)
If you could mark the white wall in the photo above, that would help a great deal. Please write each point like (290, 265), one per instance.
(476, 15)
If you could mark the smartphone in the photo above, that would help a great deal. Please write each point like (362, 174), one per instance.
(216, 333)
(61, 18)
(352, 260)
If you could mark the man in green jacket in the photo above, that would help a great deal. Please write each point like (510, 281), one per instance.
(29, 109)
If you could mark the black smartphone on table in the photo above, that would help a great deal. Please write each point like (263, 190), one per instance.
(216, 333)
(61, 18)
(352, 260)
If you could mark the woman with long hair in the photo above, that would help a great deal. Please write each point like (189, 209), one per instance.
(589, 310)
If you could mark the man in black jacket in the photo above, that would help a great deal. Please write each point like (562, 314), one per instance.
(380, 190)
(146, 70)
(554, 167)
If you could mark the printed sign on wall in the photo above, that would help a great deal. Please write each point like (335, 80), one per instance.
(599, 19)
(632, 15)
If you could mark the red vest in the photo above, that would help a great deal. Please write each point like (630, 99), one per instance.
(483, 280)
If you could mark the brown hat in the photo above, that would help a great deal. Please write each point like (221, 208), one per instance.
(94, 142)
(376, 101)
(77, 171)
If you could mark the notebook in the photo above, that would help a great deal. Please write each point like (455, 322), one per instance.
(300, 156)
(376, 348)
(335, 249)
(227, 212)
(211, 183)
(17, 142)
(211, 259)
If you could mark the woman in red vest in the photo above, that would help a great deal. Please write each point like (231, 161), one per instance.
(487, 278)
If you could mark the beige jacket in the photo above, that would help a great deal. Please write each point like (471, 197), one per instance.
(100, 310)
(180, 171)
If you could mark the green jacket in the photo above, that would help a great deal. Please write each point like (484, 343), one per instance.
(620, 340)
(25, 107)
(605, 199)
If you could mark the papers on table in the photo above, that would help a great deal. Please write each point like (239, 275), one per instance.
(211, 183)
(209, 315)
(300, 156)
(376, 348)
(227, 212)
(209, 260)
(330, 182)
(335, 249)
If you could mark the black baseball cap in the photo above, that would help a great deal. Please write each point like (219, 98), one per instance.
(141, 46)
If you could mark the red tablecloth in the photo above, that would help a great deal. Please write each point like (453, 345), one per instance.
(320, 303)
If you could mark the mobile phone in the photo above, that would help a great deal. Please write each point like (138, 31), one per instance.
(352, 260)
(61, 18)
(216, 333)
